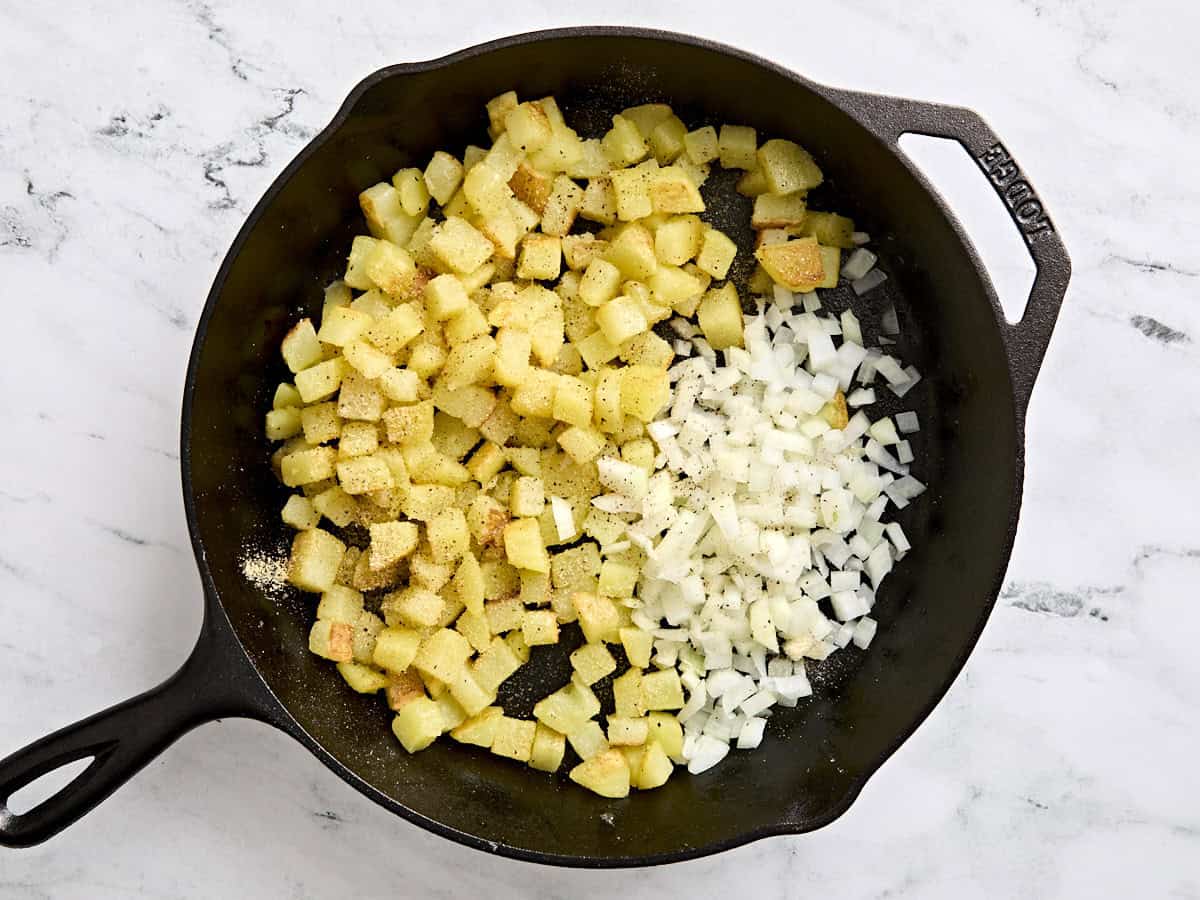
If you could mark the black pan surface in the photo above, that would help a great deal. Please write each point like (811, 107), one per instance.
(252, 658)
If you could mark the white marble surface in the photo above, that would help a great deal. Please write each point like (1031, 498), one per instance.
(135, 136)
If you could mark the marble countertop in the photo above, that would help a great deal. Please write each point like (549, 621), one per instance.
(134, 138)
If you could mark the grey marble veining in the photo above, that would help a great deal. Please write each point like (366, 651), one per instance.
(135, 137)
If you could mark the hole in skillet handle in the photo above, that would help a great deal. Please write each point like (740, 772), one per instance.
(35, 793)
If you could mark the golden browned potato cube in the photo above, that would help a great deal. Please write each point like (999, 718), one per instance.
(470, 362)
(443, 655)
(486, 190)
(678, 239)
(608, 400)
(737, 146)
(396, 648)
(390, 267)
(672, 190)
(391, 542)
(637, 644)
(386, 217)
(597, 617)
(632, 251)
(753, 183)
(540, 258)
(403, 688)
(514, 738)
(539, 626)
(599, 201)
(606, 773)
(332, 640)
(796, 264)
(778, 211)
(364, 474)
(702, 145)
(497, 663)
(580, 249)
(620, 319)
(527, 126)
(588, 740)
(627, 693)
(448, 535)
(417, 724)
(788, 167)
(562, 206)
(458, 246)
(320, 381)
(624, 144)
(592, 662)
(301, 349)
(720, 317)
(531, 187)
(627, 732)
(424, 501)
(573, 402)
(480, 729)
(443, 175)
(548, 749)
(307, 466)
(662, 690)
(523, 545)
(632, 190)
(645, 391)
(497, 109)
(396, 330)
(581, 443)
(470, 696)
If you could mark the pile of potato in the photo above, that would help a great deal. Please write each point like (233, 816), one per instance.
(464, 377)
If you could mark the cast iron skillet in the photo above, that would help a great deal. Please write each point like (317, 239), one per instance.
(251, 659)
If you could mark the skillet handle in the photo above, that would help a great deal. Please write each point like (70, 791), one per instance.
(214, 682)
(1025, 341)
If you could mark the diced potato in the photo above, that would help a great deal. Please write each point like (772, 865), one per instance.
(367, 360)
(702, 145)
(512, 349)
(573, 402)
(600, 282)
(778, 211)
(627, 732)
(452, 437)
(523, 545)
(417, 724)
(480, 729)
(331, 640)
(637, 644)
(360, 398)
(617, 579)
(831, 262)
(414, 607)
(627, 693)
(592, 662)
(666, 731)
(548, 749)
(443, 655)
(606, 773)
(358, 439)
(472, 404)
(539, 626)
(796, 264)
(562, 206)
(581, 444)
(567, 709)
(620, 319)
(458, 246)
(396, 330)
(631, 188)
(662, 690)
(608, 400)
(678, 239)
(599, 201)
(445, 297)
(364, 474)
(737, 146)
(645, 391)
(514, 738)
(670, 285)
(321, 380)
(448, 535)
(527, 126)
(787, 167)
(286, 397)
(299, 513)
(632, 251)
(307, 466)
(469, 694)
(497, 663)
(443, 175)
(666, 140)
(341, 325)
(540, 258)
(624, 144)
(717, 253)
(282, 424)
(580, 249)
(390, 267)
(647, 116)
(414, 195)
(403, 688)
(391, 542)
(531, 187)
(588, 740)
(361, 249)
(720, 316)
(597, 617)
(655, 768)
(395, 649)
(362, 678)
(301, 349)
(830, 229)
(470, 362)
(672, 190)
(527, 498)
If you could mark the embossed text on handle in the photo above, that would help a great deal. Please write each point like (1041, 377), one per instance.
(1018, 195)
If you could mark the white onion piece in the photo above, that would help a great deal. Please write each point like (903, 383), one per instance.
(858, 264)
(868, 282)
(564, 519)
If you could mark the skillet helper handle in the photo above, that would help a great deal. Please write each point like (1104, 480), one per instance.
(120, 741)
(1025, 341)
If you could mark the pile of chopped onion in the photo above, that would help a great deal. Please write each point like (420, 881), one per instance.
(763, 526)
